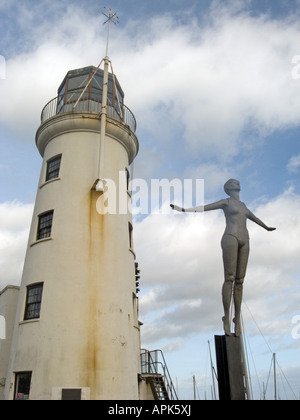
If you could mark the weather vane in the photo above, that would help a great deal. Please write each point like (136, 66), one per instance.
(111, 17)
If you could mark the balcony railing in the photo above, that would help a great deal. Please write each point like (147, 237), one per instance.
(59, 105)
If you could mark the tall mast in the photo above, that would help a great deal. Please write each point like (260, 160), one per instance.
(275, 385)
(194, 386)
(111, 17)
(245, 370)
(212, 373)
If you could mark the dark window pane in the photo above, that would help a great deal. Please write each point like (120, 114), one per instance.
(22, 385)
(97, 82)
(53, 167)
(78, 81)
(45, 225)
(33, 301)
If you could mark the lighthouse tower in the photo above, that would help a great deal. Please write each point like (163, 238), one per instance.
(77, 332)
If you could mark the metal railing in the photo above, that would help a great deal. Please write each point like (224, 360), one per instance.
(153, 363)
(59, 105)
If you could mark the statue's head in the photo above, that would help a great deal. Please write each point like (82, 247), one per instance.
(232, 185)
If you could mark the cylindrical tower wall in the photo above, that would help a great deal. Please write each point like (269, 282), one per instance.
(87, 334)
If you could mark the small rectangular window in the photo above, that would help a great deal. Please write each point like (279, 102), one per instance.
(45, 225)
(22, 385)
(53, 167)
(71, 394)
(33, 301)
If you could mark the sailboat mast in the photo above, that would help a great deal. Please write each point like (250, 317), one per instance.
(275, 384)
(212, 373)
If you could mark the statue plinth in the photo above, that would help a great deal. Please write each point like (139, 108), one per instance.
(230, 368)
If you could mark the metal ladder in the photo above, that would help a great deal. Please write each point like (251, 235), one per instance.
(156, 374)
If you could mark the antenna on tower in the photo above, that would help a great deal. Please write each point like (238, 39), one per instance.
(111, 17)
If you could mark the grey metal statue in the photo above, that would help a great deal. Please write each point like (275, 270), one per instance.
(235, 247)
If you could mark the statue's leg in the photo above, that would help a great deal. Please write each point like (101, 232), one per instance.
(238, 296)
(230, 253)
(238, 286)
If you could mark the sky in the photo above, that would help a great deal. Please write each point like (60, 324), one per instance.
(215, 89)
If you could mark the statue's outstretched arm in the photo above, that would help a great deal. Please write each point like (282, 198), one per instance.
(219, 205)
(181, 209)
(256, 220)
(199, 209)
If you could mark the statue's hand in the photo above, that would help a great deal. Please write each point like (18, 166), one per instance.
(270, 229)
(177, 208)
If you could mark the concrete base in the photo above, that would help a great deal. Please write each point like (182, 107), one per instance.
(230, 368)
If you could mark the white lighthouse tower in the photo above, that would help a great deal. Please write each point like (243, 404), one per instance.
(77, 331)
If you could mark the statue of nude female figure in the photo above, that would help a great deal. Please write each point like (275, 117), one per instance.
(235, 247)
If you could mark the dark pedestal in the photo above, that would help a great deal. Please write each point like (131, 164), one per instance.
(230, 368)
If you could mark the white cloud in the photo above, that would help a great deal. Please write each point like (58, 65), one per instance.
(213, 174)
(216, 81)
(207, 83)
(33, 77)
(15, 221)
